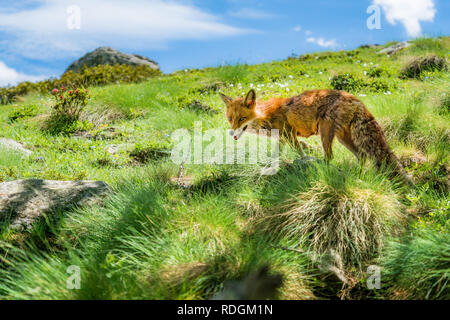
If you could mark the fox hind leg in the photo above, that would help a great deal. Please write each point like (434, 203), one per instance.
(345, 138)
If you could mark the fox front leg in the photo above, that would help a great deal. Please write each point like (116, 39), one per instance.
(326, 132)
(291, 138)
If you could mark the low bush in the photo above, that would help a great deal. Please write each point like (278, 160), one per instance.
(93, 76)
(345, 82)
(417, 66)
(379, 71)
(66, 110)
(349, 82)
(23, 112)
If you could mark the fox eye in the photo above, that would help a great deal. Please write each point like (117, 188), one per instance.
(229, 118)
(242, 119)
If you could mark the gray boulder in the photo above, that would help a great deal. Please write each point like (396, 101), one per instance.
(23, 202)
(395, 48)
(107, 55)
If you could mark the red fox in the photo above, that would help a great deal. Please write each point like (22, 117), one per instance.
(327, 113)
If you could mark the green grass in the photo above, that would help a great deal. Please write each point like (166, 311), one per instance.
(151, 239)
(418, 266)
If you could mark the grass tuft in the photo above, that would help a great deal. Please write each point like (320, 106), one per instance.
(418, 65)
(345, 215)
(419, 266)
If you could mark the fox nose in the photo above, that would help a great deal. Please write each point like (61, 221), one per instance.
(231, 132)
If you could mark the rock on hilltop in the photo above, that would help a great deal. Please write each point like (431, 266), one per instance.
(107, 55)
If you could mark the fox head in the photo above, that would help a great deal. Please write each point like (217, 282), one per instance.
(240, 112)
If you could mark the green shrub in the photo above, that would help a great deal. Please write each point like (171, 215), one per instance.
(377, 72)
(346, 82)
(66, 110)
(417, 66)
(8, 95)
(26, 111)
(94, 76)
(349, 82)
(379, 85)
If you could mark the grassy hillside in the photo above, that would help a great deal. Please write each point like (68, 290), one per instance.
(152, 239)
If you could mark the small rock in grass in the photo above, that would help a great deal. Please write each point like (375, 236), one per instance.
(15, 146)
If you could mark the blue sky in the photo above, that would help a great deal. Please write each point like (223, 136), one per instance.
(36, 42)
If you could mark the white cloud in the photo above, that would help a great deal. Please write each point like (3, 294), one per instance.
(41, 32)
(322, 42)
(308, 32)
(9, 76)
(297, 28)
(408, 12)
(247, 13)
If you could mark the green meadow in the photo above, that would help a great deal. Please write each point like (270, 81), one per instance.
(152, 237)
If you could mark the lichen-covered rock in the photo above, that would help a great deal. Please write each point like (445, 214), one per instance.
(107, 55)
(395, 47)
(23, 202)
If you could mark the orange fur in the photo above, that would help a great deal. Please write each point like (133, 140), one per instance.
(327, 113)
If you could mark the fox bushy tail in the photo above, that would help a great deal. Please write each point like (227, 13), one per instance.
(370, 141)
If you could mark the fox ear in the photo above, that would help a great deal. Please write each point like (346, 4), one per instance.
(250, 99)
(226, 99)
